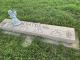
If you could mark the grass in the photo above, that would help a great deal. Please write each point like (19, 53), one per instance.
(54, 12)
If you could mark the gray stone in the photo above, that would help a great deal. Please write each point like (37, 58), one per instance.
(65, 35)
(71, 45)
(11, 33)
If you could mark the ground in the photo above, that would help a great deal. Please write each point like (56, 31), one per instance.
(54, 12)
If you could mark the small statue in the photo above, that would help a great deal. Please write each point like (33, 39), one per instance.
(15, 20)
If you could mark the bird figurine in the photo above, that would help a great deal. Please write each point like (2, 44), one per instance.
(15, 21)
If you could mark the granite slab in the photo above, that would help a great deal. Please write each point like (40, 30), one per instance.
(56, 33)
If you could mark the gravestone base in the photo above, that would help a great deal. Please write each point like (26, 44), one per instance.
(11, 33)
(53, 34)
(74, 45)
(28, 40)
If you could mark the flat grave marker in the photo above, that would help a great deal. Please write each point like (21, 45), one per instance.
(55, 33)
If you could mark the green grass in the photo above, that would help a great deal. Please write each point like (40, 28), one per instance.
(54, 12)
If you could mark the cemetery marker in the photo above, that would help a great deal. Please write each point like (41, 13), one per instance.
(65, 35)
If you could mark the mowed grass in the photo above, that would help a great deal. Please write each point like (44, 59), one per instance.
(54, 12)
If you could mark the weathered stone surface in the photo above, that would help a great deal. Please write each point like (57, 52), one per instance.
(56, 33)
(71, 45)
(11, 33)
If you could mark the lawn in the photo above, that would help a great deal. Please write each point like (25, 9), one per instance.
(54, 12)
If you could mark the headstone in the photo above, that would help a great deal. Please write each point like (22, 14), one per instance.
(55, 33)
